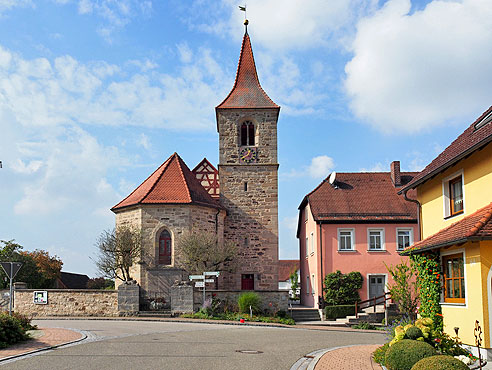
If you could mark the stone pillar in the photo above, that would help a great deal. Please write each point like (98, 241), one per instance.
(181, 298)
(128, 299)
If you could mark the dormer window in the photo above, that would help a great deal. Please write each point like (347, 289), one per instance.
(247, 133)
(483, 122)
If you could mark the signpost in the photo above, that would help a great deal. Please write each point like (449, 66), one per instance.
(202, 280)
(11, 269)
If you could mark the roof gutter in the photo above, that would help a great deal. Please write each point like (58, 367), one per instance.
(444, 244)
(445, 166)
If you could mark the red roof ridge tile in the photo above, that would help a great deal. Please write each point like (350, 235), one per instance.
(175, 155)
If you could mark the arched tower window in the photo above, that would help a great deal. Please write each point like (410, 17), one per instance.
(247, 133)
(165, 248)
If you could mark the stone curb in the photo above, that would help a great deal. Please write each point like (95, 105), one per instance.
(84, 336)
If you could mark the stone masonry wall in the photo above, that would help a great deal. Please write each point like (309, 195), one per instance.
(155, 280)
(252, 210)
(229, 124)
(68, 302)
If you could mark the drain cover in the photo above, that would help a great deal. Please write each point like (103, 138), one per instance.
(248, 351)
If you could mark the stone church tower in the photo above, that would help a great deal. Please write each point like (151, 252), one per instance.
(248, 173)
(238, 202)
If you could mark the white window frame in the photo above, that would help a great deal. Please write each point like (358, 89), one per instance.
(410, 231)
(446, 196)
(312, 243)
(306, 245)
(382, 236)
(352, 239)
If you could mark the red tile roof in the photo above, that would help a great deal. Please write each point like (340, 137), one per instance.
(287, 267)
(247, 91)
(470, 140)
(361, 196)
(171, 183)
(477, 226)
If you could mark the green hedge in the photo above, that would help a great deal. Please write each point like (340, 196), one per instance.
(440, 362)
(335, 312)
(405, 353)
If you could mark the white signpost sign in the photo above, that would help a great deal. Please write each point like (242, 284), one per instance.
(202, 280)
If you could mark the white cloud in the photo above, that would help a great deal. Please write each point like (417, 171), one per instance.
(285, 25)
(378, 167)
(115, 14)
(64, 91)
(9, 4)
(320, 166)
(413, 71)
(67, 170)
(143, 141)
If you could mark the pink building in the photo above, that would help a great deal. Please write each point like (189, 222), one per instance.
(355, 222)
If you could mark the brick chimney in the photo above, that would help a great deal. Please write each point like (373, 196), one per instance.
(395, 173)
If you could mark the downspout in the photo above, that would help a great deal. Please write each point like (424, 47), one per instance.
(419, 207)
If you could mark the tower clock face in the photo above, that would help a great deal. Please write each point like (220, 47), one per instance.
(248, 155)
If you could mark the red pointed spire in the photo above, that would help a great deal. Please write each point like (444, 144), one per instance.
(247, 91)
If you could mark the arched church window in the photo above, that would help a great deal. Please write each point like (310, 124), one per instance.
(165, 248)
(247, 133)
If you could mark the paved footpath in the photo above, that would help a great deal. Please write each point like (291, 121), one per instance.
(44, 338)
(349, 358)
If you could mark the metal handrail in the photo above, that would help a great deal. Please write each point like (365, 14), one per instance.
(386, 296)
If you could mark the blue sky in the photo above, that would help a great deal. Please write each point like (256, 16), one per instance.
(96, 94)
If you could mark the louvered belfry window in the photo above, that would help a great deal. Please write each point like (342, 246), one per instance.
(247, 133)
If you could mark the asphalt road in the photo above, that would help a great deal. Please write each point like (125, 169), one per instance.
(164, 345)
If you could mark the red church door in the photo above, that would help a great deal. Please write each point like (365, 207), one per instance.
(165, 248)
(247, 282)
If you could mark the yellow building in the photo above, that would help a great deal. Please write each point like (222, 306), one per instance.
(455, 196)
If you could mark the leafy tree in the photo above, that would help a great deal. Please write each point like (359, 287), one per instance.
(118, 250)
(201, 251)
(294, 281)
(39, 270)
(404, 290)
(100, 283)
(49, 266)
(342, 288)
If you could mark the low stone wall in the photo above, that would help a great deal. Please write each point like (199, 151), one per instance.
(68, 302)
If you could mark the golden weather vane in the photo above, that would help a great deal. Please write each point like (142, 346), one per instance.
(243, 9)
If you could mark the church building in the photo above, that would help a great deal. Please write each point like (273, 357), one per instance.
(237, 200)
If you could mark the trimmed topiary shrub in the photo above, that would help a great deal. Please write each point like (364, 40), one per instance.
(334, 312)
(405, 353)
(413, 333)
(248, 299)
(440, 362)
